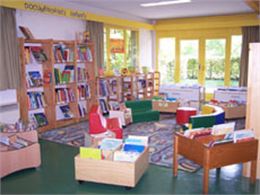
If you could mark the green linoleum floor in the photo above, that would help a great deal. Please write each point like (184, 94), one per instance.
(56, 176)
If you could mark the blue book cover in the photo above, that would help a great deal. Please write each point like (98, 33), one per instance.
(133, 148)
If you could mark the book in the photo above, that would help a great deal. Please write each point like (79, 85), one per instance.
(65, 112)
(223, 128)
(137, 140)
(126, 156)
(41, 119)
(34, 79)
(133, 148)
(92, 153)
(243, 135)
(110, 144)
(195, 133)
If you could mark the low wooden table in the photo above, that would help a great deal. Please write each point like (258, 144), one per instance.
(216, 156)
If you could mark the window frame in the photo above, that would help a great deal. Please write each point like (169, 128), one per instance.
(107, 55)
(202, 35)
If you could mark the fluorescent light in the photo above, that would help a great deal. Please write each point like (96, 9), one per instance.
(161, 3)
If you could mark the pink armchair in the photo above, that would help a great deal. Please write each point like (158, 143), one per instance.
(99, 124)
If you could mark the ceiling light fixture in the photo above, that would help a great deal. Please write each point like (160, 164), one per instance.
(161, 3)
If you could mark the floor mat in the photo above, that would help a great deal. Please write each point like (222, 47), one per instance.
(160, 139)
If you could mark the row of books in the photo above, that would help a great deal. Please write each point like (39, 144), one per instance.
(36, 100)
(103, 88)
(82, 107)
(84, 92)
(39, 118)
(34, 79)
(227, 130)
(34, 55)
(141, 84)
(64, 95)
(84, 54)
(64, 76)
(63, 112)
(82, 74)
(62, 53)
(14, 141)
(116, 149)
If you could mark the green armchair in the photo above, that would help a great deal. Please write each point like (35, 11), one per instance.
(142, 111)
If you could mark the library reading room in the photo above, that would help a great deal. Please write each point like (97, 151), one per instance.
(130, 97)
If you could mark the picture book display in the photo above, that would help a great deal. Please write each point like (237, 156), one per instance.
(64, 74)
(63, 53)
(63, 112)
(36, 100)
(39, 118)
(84, 54)
(223, 129)
(34, 79)
(34, 55)
(82, 108)
(83, 91)
(64, 95)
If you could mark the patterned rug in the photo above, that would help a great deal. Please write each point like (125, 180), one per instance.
(160, 138)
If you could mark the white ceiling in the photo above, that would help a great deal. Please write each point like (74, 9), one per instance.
(195, 8)
(131, 8)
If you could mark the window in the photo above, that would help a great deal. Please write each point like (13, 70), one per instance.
(215, 62)
(189, 61)
(236, 46)
(167, 59)
(192, 58)
(121, 48)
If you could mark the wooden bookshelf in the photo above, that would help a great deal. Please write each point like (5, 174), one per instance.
(156, 83)
(141, 86)
(130, 87)
(109, 88)
(29, 64)
(71, 68)
(149, 85)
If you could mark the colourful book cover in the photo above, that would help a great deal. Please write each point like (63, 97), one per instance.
(92, 153)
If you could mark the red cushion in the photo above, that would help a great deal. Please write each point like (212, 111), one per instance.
(95, 125)
(183, 114)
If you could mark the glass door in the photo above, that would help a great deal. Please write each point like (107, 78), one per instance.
(167, 59)
(215, 63)
(189, 61)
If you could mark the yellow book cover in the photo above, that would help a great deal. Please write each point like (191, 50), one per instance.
(92, 153)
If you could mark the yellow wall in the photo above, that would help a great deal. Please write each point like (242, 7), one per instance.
(77, 14)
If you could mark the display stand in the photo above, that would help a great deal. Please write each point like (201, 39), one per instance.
(216, 156)
(192, 96)
(111, 172)
(12, 159)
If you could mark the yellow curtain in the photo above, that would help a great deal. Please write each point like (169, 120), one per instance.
(96, 30)
(10, 73)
